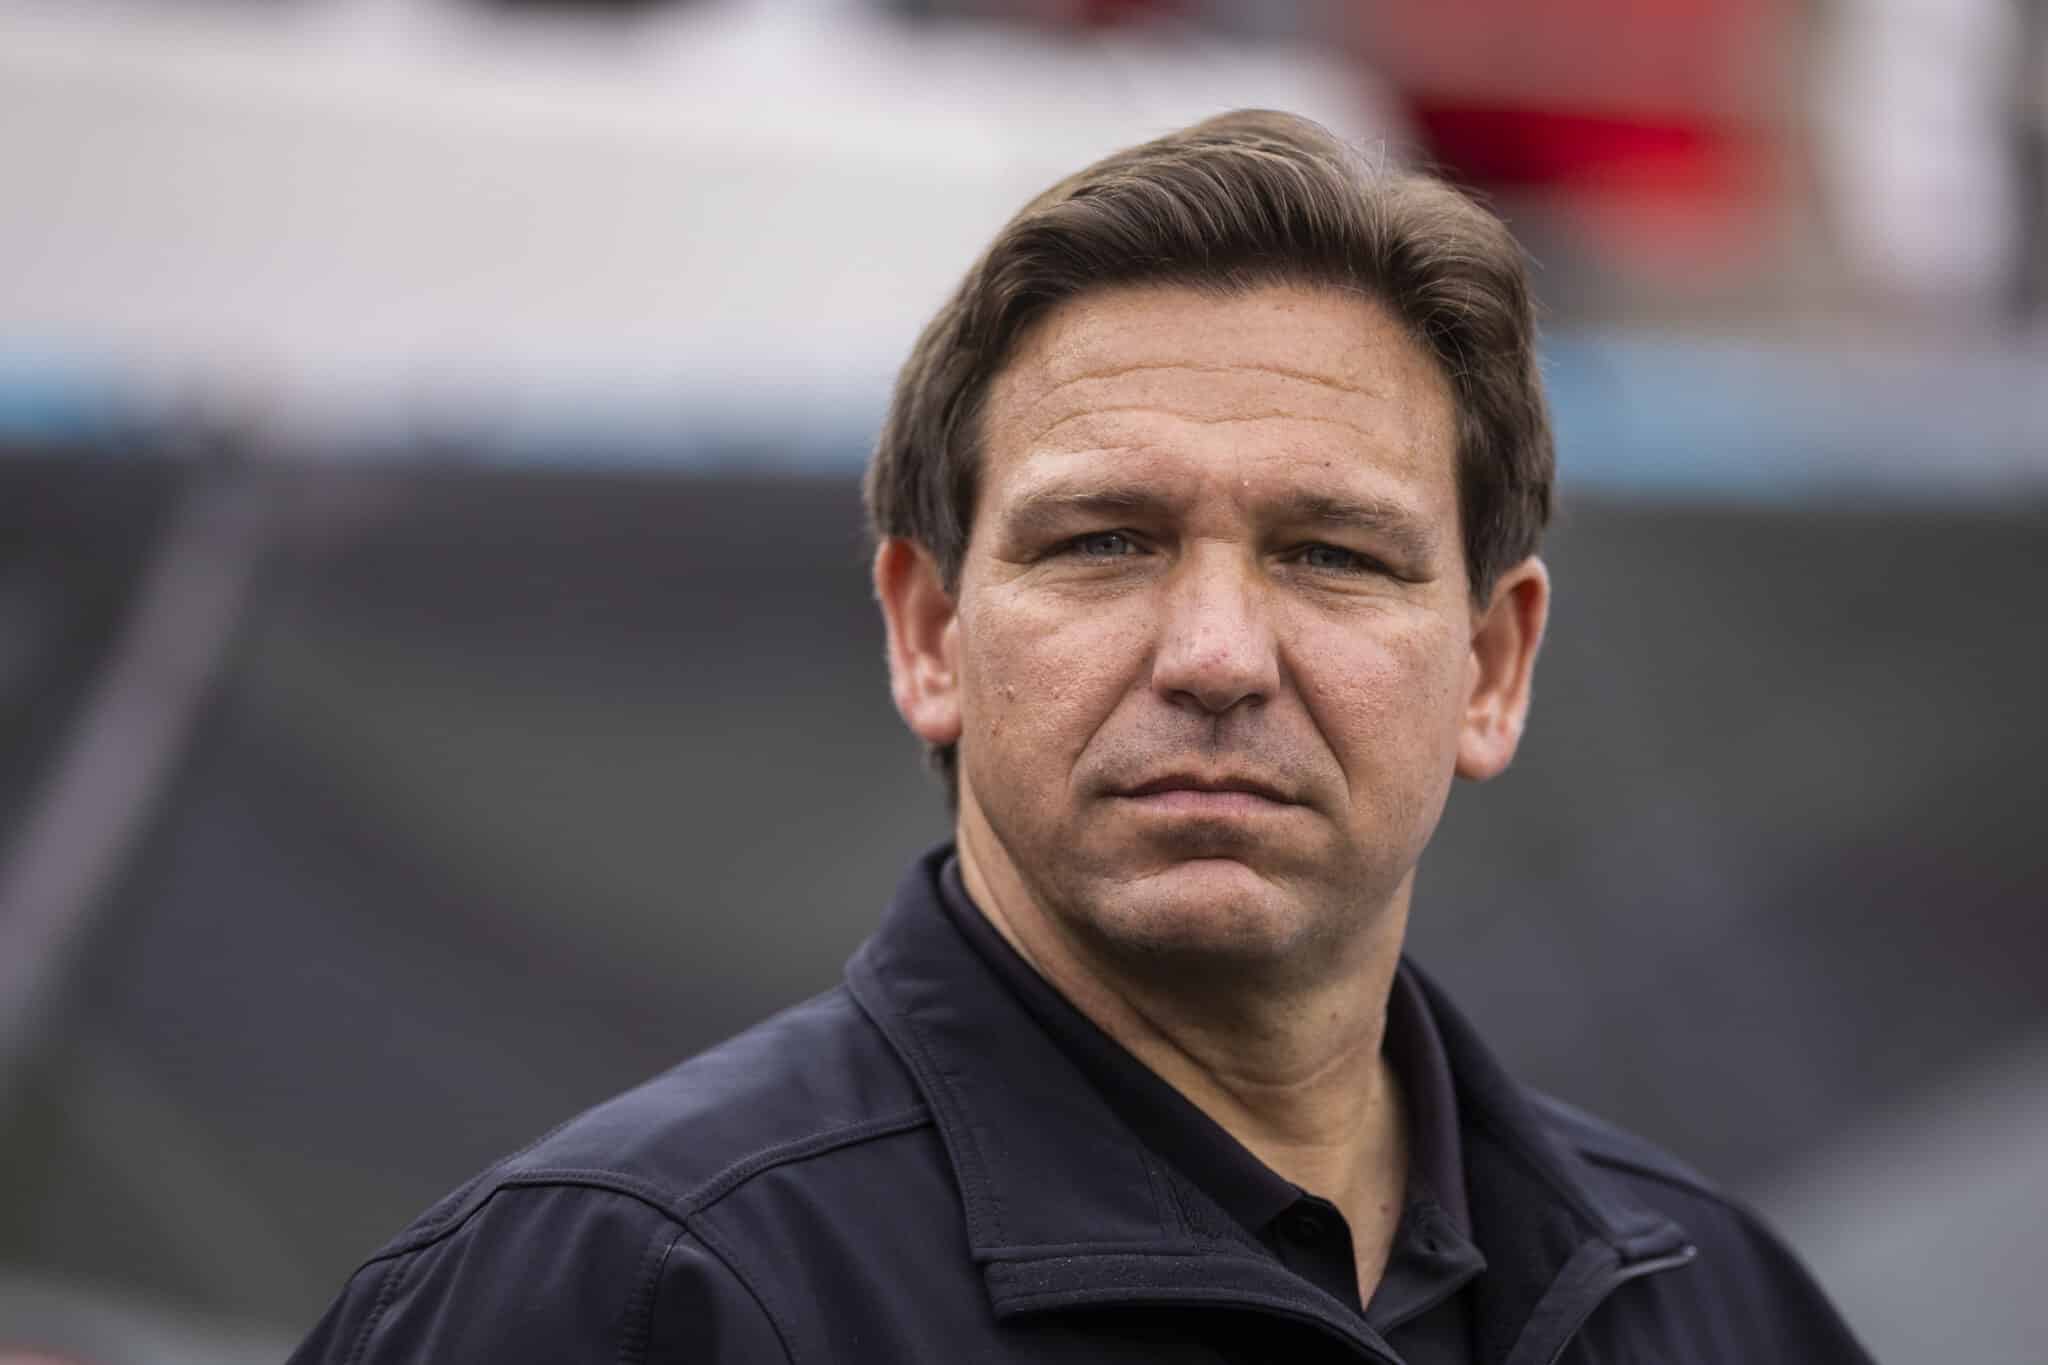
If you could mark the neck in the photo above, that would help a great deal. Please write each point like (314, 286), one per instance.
(1296, 1074)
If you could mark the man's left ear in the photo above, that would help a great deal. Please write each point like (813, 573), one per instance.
(1505, 638)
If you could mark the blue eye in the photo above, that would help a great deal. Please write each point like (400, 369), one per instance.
(1104, 545)
(1334, 558)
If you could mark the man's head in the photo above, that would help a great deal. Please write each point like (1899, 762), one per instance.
(1247, 198)
(1225, 465)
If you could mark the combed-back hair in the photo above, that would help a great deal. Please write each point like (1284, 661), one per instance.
(1236, 202)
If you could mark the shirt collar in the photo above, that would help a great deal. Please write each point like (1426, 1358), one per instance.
(1436, 1154)
(1159, 1116)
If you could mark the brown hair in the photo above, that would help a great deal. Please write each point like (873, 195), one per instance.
(1232, 203)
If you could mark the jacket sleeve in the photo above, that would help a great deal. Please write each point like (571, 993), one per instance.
(555, 1273)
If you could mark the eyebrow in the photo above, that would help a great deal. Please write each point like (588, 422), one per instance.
(1383, 518)
(1047, 509)
(1386, 520)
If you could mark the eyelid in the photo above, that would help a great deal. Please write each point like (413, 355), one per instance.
(1072, 547)
(1073, 543)
(1364, 562)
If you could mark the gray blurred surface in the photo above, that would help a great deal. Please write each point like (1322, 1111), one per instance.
(94, 1323)
(522, 786)
(1926, 1224)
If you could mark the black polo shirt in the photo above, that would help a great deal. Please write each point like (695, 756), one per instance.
(1420, 1306)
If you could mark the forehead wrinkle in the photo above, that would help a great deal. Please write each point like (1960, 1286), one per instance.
(1054, 388)
(1017, 379)
(1274, 415)
(1149, 366)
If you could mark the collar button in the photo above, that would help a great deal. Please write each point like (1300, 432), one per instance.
(1304, 1227)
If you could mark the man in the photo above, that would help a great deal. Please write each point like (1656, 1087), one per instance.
(1207, 510)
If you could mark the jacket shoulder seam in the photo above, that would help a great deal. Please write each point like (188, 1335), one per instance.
(388, 1283)
(677, 1207)
(639, 1322)
(801, 1149)
(714, 1243)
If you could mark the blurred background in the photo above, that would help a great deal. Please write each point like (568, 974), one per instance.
(438, 685)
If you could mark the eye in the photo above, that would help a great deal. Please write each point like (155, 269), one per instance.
(1103, 545)
(1337, 559)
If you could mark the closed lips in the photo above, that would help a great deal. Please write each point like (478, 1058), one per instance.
(1187, 783)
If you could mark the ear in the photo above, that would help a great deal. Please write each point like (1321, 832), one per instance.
(924, 657)
(1505, 638)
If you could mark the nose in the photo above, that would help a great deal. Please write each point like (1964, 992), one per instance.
(1216, 648)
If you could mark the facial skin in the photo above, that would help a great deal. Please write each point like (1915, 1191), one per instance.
(1213, 659)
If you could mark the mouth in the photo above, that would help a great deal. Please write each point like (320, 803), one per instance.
(1197, 793)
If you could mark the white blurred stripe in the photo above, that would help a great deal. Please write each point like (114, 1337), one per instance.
(72, 844)
(327, 214)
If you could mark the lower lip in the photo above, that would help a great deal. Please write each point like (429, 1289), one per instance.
(1188, 801)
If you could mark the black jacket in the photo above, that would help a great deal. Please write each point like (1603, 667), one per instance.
(906, 1169)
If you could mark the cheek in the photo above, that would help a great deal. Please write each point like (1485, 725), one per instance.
(1389, 703)
(1041, 677)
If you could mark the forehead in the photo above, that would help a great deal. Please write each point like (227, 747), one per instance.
(1276, 374)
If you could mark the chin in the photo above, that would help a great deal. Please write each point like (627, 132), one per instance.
(1212, 910)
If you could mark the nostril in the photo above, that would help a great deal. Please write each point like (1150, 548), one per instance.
(1216, 702)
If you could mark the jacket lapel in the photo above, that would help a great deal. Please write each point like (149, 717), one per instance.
(1557, 1238)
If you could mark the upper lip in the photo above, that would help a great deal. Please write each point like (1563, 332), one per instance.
(1203, 782)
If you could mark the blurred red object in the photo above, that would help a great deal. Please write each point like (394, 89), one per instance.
(1108, 13)
(1651, 117)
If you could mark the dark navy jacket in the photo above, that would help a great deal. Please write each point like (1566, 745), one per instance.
(907, 1169)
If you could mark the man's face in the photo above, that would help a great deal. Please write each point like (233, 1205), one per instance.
(1211, 658)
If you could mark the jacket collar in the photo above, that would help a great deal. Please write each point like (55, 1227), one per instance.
(1064, 1206)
